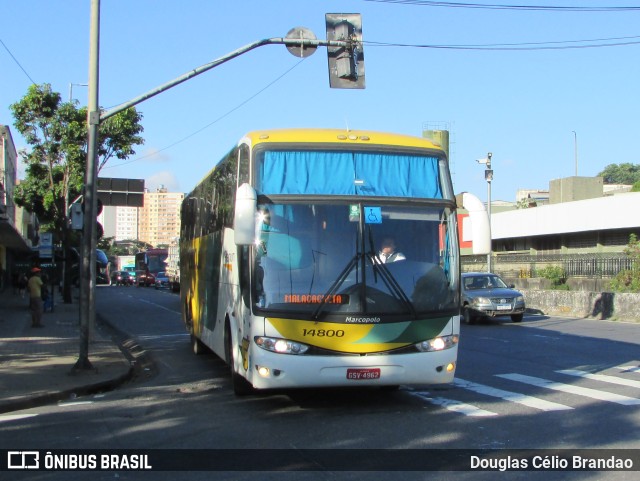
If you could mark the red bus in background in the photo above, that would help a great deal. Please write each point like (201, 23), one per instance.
(148, 264)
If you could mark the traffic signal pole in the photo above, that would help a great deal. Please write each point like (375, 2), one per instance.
(88, 264)
(302, 44)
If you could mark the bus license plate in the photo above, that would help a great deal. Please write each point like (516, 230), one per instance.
(363, 374)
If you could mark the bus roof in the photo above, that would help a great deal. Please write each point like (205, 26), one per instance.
(337, 136)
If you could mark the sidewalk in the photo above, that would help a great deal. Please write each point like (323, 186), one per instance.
(37, 365)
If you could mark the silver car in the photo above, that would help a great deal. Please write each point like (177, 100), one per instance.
(486, 295)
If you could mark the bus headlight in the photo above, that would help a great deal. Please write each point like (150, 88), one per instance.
(281, 346)
(438, 343)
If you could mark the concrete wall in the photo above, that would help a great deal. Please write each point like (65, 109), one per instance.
(574, 283)
(570, 189)
(596, 305)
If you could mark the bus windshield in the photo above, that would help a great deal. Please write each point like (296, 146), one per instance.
(315, 259)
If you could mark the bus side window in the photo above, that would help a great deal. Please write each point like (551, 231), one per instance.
(243, 165)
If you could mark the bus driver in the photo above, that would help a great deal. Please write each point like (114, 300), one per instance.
(388, 251)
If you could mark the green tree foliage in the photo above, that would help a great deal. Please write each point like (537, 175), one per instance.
(56, 131)
(114, 248)
(621, 174)
(629, 279)
(556, 275)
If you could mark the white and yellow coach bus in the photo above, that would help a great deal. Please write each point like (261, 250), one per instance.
(284, 268)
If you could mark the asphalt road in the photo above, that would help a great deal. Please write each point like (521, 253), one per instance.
(545, 383)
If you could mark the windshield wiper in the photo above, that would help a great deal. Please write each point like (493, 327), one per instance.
(388, 278)
(336, 284)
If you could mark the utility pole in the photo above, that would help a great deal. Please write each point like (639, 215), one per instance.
(488, 176)
(575, 149)
(88, 264)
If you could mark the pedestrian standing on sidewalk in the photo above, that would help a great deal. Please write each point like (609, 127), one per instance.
(22, 284)
(34, 286)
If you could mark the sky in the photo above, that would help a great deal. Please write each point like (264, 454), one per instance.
(538, 88)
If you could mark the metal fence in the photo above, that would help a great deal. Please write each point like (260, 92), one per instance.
(591, 266)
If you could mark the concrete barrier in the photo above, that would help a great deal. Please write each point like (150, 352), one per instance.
(597, 305)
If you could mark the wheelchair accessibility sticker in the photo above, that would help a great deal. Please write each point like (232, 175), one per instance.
(373, 215)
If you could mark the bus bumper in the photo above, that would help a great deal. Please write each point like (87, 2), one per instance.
(277, 371)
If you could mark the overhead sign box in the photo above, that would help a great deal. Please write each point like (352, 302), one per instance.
(122, 192)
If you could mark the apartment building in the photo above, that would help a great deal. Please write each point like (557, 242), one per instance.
(159, 219)
(157, 223)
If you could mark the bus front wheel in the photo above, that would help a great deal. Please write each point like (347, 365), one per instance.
(197, 346)
(241, 387)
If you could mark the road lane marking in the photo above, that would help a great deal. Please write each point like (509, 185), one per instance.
(568, 388)
(161, 336)
(601, 377)
(454, 406)
(515, 397)
(159, 306)
(15, 417)
(66, 404)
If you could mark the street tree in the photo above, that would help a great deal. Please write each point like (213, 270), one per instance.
(56, 131)
(628, 280)
(625, 173)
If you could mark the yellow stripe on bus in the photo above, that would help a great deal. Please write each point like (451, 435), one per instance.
(352, 338)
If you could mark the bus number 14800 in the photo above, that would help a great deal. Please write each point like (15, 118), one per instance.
(323, 333)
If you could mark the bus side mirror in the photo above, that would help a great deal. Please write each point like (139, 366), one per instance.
(480, 231)
(244, 223)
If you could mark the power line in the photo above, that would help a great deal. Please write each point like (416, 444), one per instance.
(555, 45)
(493, 6)
(16, 61)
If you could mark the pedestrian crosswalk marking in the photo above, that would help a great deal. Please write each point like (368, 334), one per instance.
(581, 391)
(535, 402)
(519, 398)
(601, 377)
(629, 368)
(455, 406)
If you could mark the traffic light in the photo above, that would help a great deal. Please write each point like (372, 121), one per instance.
(76, 217)
(346, 64)
(99, 228)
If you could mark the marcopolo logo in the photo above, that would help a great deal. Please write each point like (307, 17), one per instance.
(23, 460)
